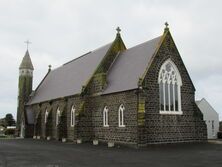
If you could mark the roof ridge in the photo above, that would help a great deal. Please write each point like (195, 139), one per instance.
(77, 58)
(86, 53)
(81, 56)
(143, 43)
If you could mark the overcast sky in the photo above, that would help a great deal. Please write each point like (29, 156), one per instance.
(61, 30)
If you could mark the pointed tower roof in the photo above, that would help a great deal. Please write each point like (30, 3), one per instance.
(26, 62)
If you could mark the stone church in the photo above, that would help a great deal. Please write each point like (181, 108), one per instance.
(137, 96)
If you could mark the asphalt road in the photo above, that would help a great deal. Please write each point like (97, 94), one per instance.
(41, 153)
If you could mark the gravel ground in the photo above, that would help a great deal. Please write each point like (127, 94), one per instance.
(42, 153)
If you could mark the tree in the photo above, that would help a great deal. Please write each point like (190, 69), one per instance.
(220, 126)
(2, 122)
(10, 121)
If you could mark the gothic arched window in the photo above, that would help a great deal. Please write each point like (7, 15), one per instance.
(121, 115)
(72, 121)
(58, 115)
(105, 117)
(46, 115)
(169, 89)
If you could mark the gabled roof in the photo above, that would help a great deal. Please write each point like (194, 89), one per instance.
(124, 74)
(129, 66)
(198, 102)
(205, 106)
(68, 79)
(26, 62)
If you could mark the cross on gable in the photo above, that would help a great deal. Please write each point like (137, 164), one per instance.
(118, 30)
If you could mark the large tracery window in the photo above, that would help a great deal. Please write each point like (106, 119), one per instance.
(169, 89)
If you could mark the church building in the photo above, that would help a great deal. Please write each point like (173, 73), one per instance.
(136, 96)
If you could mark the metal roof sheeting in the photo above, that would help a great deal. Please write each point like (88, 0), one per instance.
(68, 79)
(123, 75)
(130, 66)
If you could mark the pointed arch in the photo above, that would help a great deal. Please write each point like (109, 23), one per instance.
(170, 83)
(105, 117)
(121, 115)
(73, 111)
(46, 116)
(58, 115)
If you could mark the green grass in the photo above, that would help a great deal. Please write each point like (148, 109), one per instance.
(6, 137)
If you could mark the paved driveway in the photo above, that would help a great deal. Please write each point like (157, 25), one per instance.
(41, 153)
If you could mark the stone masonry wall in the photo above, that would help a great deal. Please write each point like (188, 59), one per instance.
(89, 118)
(83, 120)
(114, 133)
(171, 128)
(72, 131)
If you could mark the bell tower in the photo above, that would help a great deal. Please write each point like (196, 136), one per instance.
(24, 91)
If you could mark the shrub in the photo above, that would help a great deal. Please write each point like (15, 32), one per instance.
(10, 132)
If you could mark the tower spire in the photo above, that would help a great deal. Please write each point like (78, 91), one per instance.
(26, 62)
(25, 90)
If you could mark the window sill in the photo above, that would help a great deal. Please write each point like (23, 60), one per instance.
(171, 112)
(105, 126)
(122, 126)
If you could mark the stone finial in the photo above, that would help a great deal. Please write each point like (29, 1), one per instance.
(140, 83)
(166, 27)
(118, 30)
(166, 24)
(50, 66)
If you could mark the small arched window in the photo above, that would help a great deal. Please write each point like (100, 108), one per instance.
(46, 115)
(121, 115)
(169, 89)
(58, 115)
(72, 121)
(105, 117)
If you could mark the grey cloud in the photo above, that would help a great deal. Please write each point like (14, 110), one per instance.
(63, 30)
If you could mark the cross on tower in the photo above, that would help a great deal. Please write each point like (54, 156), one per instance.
(27, 43)
(166, 24)
(118, 30)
